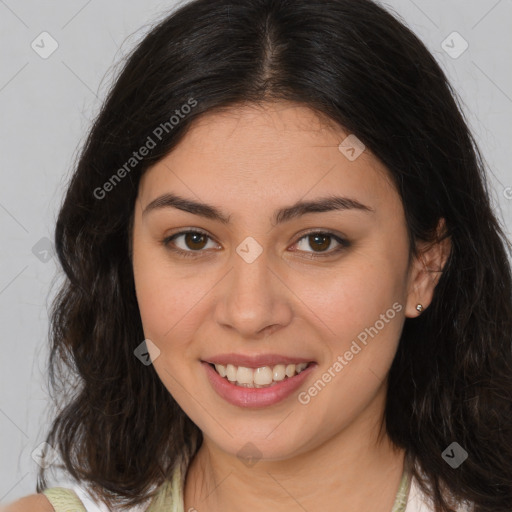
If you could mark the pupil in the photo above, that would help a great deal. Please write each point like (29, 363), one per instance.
(321, 237)
(194, 236)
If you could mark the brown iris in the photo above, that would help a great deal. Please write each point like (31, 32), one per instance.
(191, 239)
(315, 240)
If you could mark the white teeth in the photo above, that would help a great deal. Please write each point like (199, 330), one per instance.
(301, 366)
(221, 369)
(244, 375)
(231, 372)
(290, 370)
(279, 372)
(264, 376)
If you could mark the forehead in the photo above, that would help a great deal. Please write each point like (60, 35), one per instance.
(261, 133)
(250, 153)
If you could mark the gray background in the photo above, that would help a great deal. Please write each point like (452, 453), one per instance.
(48, 104)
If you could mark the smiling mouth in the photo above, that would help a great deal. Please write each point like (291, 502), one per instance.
(262, 377)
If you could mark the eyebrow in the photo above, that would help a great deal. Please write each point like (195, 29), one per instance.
(323, 204)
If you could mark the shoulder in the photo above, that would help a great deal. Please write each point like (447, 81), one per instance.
(32, 503)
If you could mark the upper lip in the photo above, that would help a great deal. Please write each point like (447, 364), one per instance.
(255, 361)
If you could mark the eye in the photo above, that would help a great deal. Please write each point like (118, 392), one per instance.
(321, 241)
(194, 241)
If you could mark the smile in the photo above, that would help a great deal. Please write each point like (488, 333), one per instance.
(257, 387)
(265, 376)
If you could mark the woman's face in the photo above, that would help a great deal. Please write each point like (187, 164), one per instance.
(259, 290)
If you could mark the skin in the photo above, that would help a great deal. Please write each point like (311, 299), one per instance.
(249, 161)
(34, 502)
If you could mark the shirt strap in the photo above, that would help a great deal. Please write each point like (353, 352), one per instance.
(402, 496)
(64, 500)
(170, 496)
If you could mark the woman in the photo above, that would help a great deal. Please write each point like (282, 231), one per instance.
(286, 288)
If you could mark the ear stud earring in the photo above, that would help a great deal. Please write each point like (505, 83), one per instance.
(419, 308)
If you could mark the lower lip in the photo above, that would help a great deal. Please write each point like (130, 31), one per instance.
(255, 397)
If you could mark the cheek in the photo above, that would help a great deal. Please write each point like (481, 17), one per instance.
(355, 295)
(360, 315)
(165, 308)
(171, 304)
(158, 296)
(360, 328)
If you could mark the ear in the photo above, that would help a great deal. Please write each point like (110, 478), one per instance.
(426, 269)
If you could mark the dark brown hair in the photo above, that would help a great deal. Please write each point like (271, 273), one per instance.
(117, 427)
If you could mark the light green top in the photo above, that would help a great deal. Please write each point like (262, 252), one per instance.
(170, 496)
(168, 499)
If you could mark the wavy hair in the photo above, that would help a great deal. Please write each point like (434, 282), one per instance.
(117, 428)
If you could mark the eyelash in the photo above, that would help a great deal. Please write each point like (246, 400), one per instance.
(166, 242)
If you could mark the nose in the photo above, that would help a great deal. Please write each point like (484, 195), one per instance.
(253, 299)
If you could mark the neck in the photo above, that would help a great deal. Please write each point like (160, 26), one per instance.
(354, 470)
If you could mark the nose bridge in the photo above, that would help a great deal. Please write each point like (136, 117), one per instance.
(253, 298)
